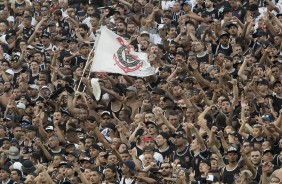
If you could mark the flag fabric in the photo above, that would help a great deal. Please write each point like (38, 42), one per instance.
(114, 55)
(96, 88)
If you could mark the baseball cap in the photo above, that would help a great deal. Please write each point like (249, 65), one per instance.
(158, 91)
(10, 33)
(106, 113)
(145, 33)
(33, 86)
(263, 81)
(132, 88)
(232, 150)
(30, 128)
(49, 128)
(131, 165)
(14, 153)
(268, 151)
(206, 162)
(83, 44)
(10, 71)
(21, 105)
(165, 68)
(180, 133)
(46, 35)
(149, 137)
(189, 3)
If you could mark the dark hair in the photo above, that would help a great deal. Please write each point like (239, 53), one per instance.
(18, 172)
(58, 13)
(84, 26)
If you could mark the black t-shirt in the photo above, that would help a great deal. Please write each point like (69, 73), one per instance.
(77, 60)
(167, 153)
(184, 156)
(227, 50)
(197, 158)
(27, 32)
(212, 14)
(277, 102)
(229, 176)
(204, 58)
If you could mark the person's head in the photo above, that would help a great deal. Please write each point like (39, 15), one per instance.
(131, 28)
(256, 157)
(16, 175)
(53, 142)
(166, 169)
(27, 21)
(112, 160)
(171, 31)
(225, 106)
(195, 145)
(3, 26)
(128, 167)
(136, 8)
(257, 130)
(173, 118)
(95, 176)
(232, 155)
(162, 139)
(5, 173)
(124, 115)
(180, 138)
(267, 155)
(17, 131)
(110, 173)
(247, 146)
(204, 167)
(198, 46)
(147, 159)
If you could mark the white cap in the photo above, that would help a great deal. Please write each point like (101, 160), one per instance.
(34, 86)
(21, 105)
(10, 71)
(17, 165)
(45, 87)
(145, 32)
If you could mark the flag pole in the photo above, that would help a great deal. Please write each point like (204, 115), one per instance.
(85, 67)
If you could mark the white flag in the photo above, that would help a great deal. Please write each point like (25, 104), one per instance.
(113, 54)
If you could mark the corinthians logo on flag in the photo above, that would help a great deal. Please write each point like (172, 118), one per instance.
(124, 58)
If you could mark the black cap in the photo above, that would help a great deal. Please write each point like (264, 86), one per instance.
(83, 44)
(158, 91)
(232, 150)
(96, 146)
(10, 33)
(30, 128)
(206, 162)
(150, 123)
(46, 34)
(263, 81)
(165, 68)
(224, 34)
(231, 24)
(268, 151)
(180, 133)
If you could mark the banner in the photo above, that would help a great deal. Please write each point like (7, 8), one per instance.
(114, 55)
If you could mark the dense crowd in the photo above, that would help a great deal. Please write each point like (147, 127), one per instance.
(211, 113)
